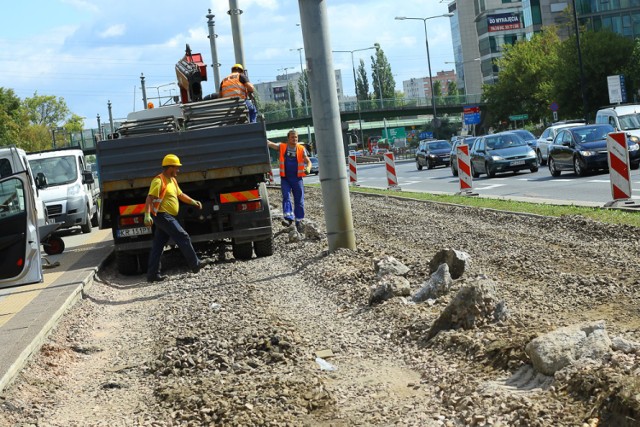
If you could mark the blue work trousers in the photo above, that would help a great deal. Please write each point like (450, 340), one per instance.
(253, 112)
(295, 186)
(168, 227)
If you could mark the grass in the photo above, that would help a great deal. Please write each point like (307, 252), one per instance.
(610, 216)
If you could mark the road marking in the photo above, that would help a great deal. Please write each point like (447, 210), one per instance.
(489, 187)
(410, 182)
(600, 180)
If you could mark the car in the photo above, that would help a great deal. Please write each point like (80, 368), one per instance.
(528, 137)
(380, 151)
(547, 136)
(583, 149)
(469, 140)
(501, 152)
(432, 153)
(314, 166)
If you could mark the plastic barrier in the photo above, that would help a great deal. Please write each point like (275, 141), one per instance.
(619, 175)
(392, 178)
(464, 170)
(272, 180)
(353, 171)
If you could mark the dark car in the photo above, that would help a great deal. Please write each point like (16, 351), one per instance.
(501, 152)
(582, 149)
(528, 137)
(454, 154)
(314, 166)
(433, 153)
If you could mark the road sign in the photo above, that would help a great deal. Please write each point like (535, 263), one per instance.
(394, 135)
(519, 117)
(471, 114)
(425, 135)
(555, 116)
(617, 91)
(554, 106)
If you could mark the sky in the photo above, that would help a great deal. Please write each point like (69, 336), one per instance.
(90, 52)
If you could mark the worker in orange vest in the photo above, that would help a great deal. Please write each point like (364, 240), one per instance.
(294, 165)
(237, 84)
(163, 203)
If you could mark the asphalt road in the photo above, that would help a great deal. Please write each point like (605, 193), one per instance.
(594, 189)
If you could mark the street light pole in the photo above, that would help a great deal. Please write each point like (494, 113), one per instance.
(426, 38)
(582, 82)
(304, 82)
(355, 85)
(286, 76)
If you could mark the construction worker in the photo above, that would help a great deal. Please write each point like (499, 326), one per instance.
(162, 203)
(237, 84)
(294, 165)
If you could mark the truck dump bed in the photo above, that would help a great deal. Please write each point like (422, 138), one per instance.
(210, 153)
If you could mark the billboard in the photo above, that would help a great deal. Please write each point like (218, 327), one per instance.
(503, 21)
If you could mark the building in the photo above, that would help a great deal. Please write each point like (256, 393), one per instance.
(420, 87)
(622, 17)
(541, 13)
(276, 91)
(466, 52)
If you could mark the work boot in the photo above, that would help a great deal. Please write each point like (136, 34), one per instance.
(299, 227)
(202, 263)
(156, 278)
(287, 222)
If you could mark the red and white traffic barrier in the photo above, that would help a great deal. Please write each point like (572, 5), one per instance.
(464, 170)
(353, 171)
(618, 156)
(272, 180)
(392, 178)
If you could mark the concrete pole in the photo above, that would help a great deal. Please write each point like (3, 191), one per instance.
(99, 126)
(215, 66)
(326, 122)
(144, 91)
(236, 32)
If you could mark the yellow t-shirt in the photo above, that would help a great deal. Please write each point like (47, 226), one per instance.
(170, 203)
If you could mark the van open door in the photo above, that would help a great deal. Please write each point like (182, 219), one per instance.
(20, 261)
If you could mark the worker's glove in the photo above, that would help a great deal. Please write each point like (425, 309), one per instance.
(197, 203)
(148, 221)
(307, 170)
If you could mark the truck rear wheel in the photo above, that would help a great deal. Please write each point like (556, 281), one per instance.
(242, 251)
(263, 247)
(127, 263)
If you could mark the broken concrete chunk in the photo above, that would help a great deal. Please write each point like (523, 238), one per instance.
(625, 346)
(389, 287)
(438, 285)
(388, 265)
(474, 305)
(456, 260)
(563, 347)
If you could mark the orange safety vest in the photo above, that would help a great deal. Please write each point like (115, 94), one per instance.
(231, 87)
(155, 205)
(299, 156)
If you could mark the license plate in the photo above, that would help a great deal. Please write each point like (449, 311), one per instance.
(516, 163)
(137, 231)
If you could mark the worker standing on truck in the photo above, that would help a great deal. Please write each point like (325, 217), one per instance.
(162, 203)
(237, 84)
(294, 162)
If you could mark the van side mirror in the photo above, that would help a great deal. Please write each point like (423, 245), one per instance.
(87, 177)
(41, 180)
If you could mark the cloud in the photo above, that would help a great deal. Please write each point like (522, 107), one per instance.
(113, 31)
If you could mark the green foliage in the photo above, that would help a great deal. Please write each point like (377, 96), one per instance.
(452, 89)
(46, 110)
(303, 88)
(382, 77)
(437, 88)
(362, 82)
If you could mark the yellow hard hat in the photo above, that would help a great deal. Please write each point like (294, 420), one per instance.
(238, 66)
(171, 160)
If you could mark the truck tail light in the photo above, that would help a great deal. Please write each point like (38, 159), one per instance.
(249, 206)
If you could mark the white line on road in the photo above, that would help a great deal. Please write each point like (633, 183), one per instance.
(489, 187)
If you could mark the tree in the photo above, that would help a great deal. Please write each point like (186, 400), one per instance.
(452, 89)
(303, 87)
(437, 88)
(382, 77)
(46, 110)
(604, 53)
(11, 117)
(291, 95)
(526, 74)
(362, 82)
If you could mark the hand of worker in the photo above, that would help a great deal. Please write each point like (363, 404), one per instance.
(148, 221)
(307, 169)
(197, 203)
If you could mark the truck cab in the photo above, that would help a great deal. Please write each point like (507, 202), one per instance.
(69, 192)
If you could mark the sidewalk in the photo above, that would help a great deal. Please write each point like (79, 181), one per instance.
(28, 313)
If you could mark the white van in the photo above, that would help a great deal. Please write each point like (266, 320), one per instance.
(21, 214)
(70, 193)
(622, 118)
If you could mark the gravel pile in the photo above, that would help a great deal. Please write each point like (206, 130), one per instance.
(292, 339)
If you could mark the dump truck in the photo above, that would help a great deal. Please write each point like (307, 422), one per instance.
(225, 165)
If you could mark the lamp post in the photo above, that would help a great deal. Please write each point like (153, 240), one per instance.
(426, 38)
(585, 104)
(304, 82)
(355, 85)
(286, 76)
